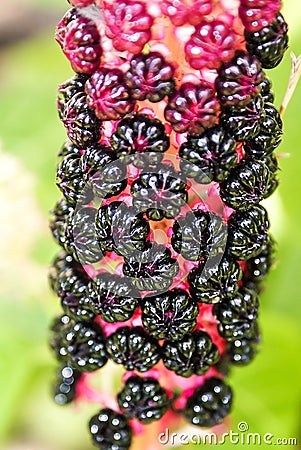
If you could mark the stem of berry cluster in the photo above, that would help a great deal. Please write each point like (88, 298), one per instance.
(171, 141)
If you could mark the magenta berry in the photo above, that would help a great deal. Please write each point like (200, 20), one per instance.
(128, 25)
(108, 95)
(193, 108)
(210, 45)
(165, 245)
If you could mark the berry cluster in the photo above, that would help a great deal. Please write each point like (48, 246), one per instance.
(164, 243)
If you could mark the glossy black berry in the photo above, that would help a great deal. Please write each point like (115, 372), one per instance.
(159, 193)
(237, 315)
(269, 136)
(272, 164)
(133, 348)
(258, 267)
(140, 134)
(143, 399)
(266, 90)
(193, 354)
(58, 222)
(68, 89)
(269, 43)
(82, 126)
(169, 315)
(121, 229)
(243, 123)
(209, 156)
(246, 185)
(209, 404)
(80, 344)
(152, 270)
(247, 232)
(65, 386)
(113, 297)
(242, 351)
(215, 283)
(69, 281)
(238, 80)
(199, 235)
(85, 243)
(110, 430)
(150, 77)
(110, 180)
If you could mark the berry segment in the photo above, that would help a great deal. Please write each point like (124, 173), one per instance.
(172, 134)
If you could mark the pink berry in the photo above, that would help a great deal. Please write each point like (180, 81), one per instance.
(108, 95)
(211, 44)
(198, 9)
(128, 25)
(176, 10)
(81, 3)
(257, 14)
(80, 42)
(193, 108)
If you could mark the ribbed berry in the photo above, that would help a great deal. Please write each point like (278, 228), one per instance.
(216, 283)
(242, 351)
(238, 80)
(192, 108)
(258, 267)
(69, 16)
(266, 91)
(152, 270)
(65, 387)
(243, 123)
(69, 89)
(128, 24)
(113, 297)
(247, 232)
(69, 281)
(58, 222)
(269, 136)
(80, 344)
(257, 14)
(108, 95)
(269, 43)
(191, 355)
(272, 164)
(110, 430)
(209, 404)
(237, 315)
(133, 348)
(179, 12)
(169, 315)
(212, 43)
(150, 77)
(82, 126)
(121, 229)
(199, 235)
(209, 156)
(246, 184)
(159, 193)
(140, 134)
(80, 42)
(143, 399)
(81, 3)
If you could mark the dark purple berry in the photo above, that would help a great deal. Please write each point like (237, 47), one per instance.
(143, 399)
(160, 193)
(193, 354)
(209, 404)
(113, 297)
(169, 315)
(192, 108)
(242, 351)
(238, 80)
(266, 90)
(258, 267)
(68, 89)
(208, 157)
(110, 430)
(65, 386)
(80, 344)
(199, 235)
(214, 284)
(269, 43)
(133, 348)
(85, 244)
(108, 95)
(247, 232)
(150, 77)
(246, 184)
(152, 270)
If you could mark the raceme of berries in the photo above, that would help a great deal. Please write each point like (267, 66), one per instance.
(212, 43)
(192, 108)
(164, 244)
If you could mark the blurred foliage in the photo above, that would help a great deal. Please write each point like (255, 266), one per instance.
(267, 393)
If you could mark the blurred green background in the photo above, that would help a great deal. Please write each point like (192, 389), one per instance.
(267, 393)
